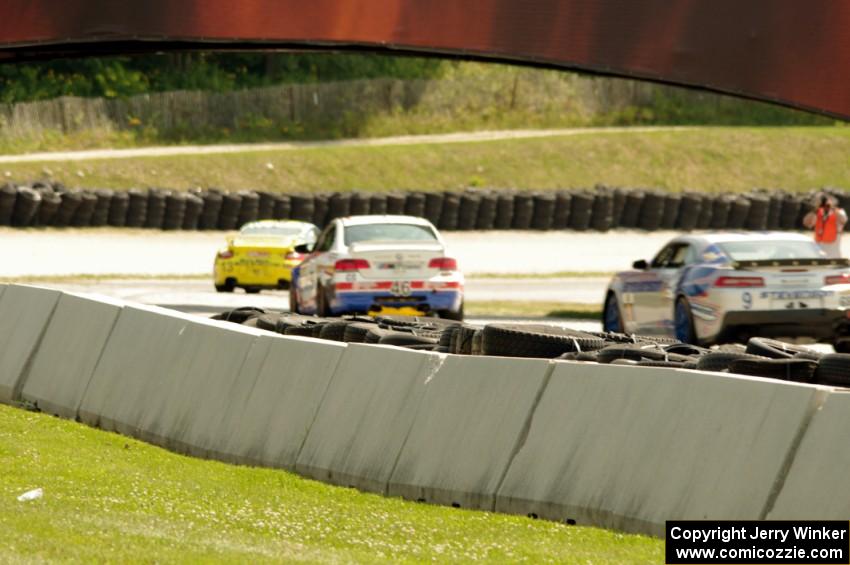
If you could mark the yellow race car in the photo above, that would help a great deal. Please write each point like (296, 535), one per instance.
(261, 255)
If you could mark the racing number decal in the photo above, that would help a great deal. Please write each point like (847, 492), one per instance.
(400, 288)
(747, 300)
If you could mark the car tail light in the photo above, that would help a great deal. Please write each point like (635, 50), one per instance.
(738, 282)
(351, 264)
(293, 256)
(225, 254)
(443, 263)
(843, 278)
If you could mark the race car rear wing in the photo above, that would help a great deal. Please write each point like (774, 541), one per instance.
(818, 262)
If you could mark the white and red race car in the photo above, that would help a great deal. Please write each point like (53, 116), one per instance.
(715, 288)
(371, 264)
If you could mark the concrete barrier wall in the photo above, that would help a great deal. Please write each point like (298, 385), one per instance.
(270, 414)
(620, 447)
(24, 313)
(471, 420)
(630, 447)
(66, 358)
(212, 354)
(366, 415)
(143, 349)
(818, 481)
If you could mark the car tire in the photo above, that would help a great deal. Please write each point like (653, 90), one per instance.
(833, 370)
(683, 322)
(841, 345)
(452, 314)
(293, 300)
(322, 308)
(612, 318)
(228, 286)
(252, 290)
(531, 340)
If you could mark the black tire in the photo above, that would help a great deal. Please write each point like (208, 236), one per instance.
(759, 208)
(790, 211)
(689, 211)
(50, 202)
(322, 308)
(612, 315)
(339, 206)
(334, 331)
(156, 208)
(772, 348)
(795, 370)
(515, 340)
(683, 319)
(239, 315)
(670, 216)
(523, 211)
(378, 204)
(719, 361)
(268, 321)
(544, 211)
(463, 345)
(433, 207)
(303, 330)
(841, 345)
(738, 212)
(563, 206)
(706, 213)
(265, 206)
(652, 211)
(720, 212)
(321, 206)
(450, 211)
(192, 212)
(356, 332)
(504, 211)
(359, 205)
(580, 209)
(252, 290)
(467, 215)
(774, 210)
(100, 216)
(67, 208)
(282, 207)
(401, 338)
(834, 370)
(487, 211)
(667, 364)
(211, 210)
(8, 194)
(602, 212)
(82, 215)
(618, 197)
(118, 207)
(26, 206)
(249, 208)
(175, 211)
(457, 316)
(302, 207)
(637, 352)
(630, 217)
(396, 203)
(414, 204)
(228, 286)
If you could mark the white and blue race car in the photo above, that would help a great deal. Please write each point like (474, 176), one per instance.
(373, 264)
(716, 288)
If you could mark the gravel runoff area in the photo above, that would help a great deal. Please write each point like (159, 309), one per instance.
(97, 251)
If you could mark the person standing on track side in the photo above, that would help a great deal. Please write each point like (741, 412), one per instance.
(828, 223)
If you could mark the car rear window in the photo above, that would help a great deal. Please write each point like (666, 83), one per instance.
(388, 232)
(285, 231)
(767, 249)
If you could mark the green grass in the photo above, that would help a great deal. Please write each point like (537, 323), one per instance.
(519, 308)
(709, 159)
(108, 498)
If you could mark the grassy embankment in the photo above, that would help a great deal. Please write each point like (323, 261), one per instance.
(108, 498)
(709, 159)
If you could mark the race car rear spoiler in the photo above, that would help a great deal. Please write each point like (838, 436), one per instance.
(818, 262)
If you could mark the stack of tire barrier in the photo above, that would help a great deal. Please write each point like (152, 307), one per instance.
(599, 209)
(761, 357)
